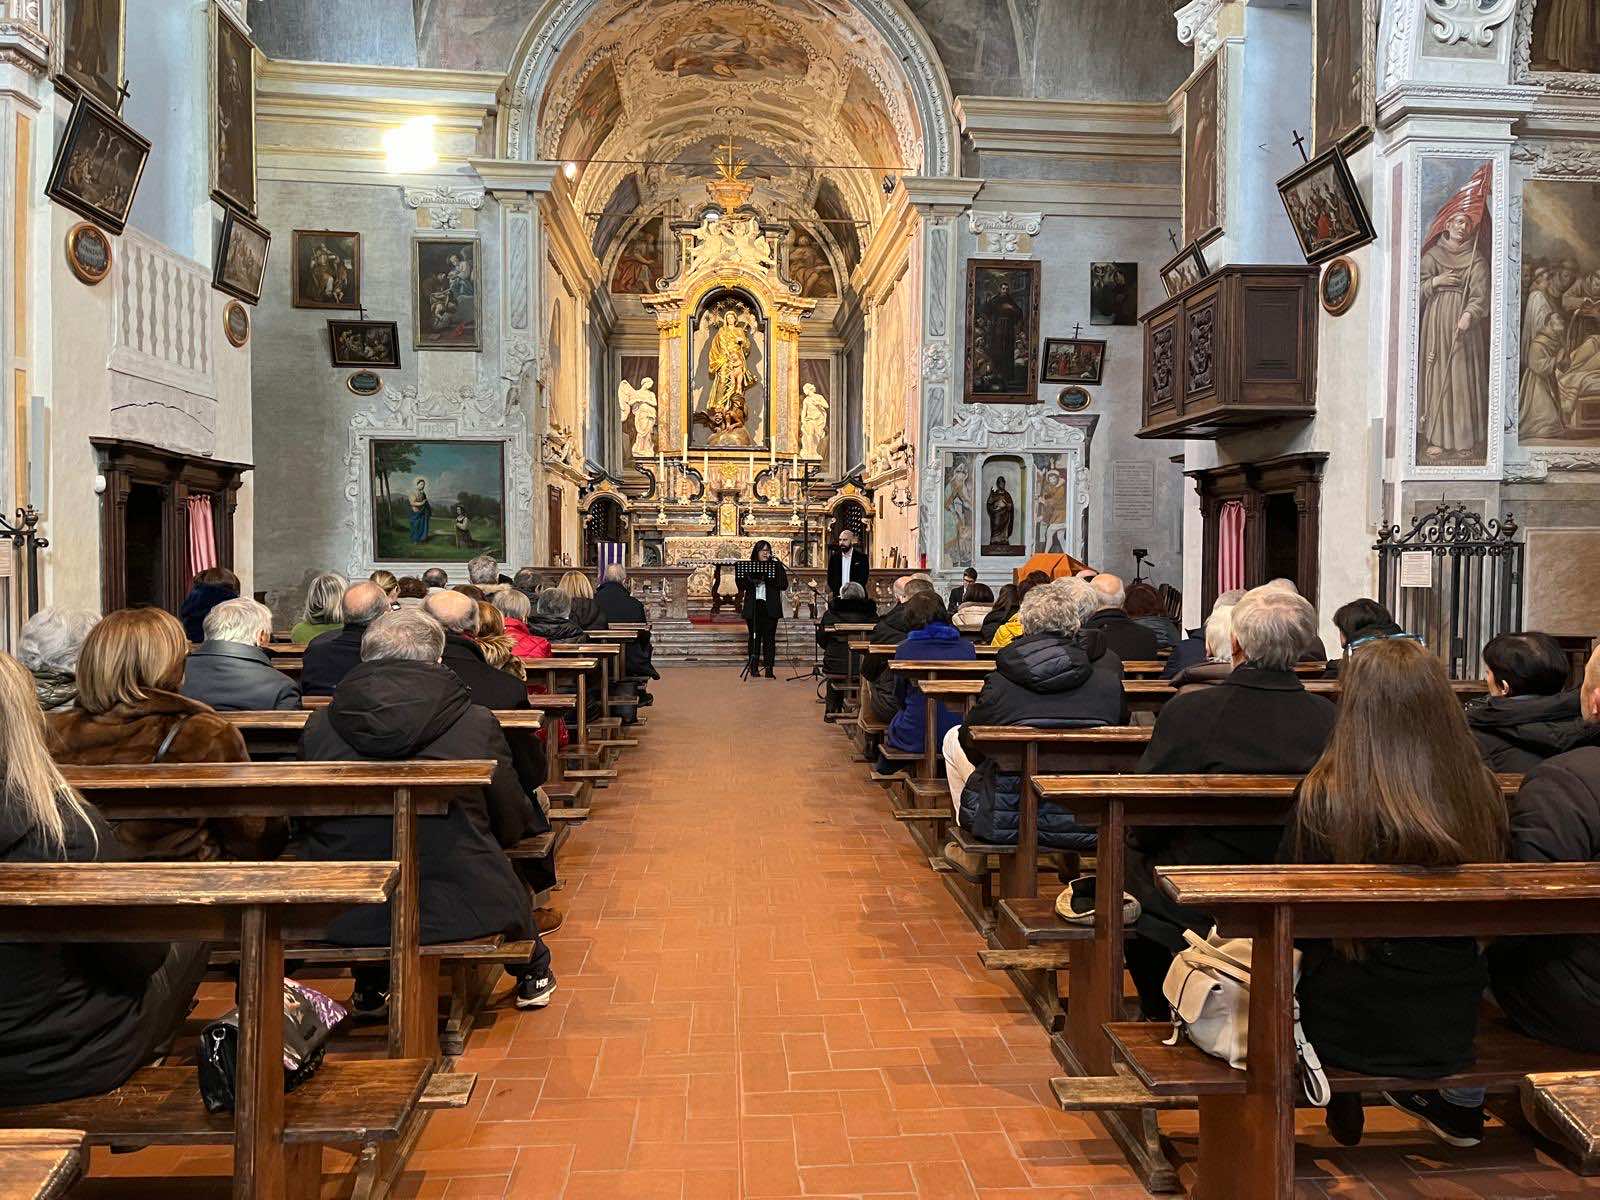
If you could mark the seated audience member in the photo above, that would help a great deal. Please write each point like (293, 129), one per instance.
(1398, 785)
(929, 638)
(484, 572)
(958, 593)
(1057, 675)
(437, 579)
(1193, 648)
(333, 655)
(526, 581)
(48, 646)
(1360, 623)
(1218, 664)
(488, 686)
(1260, 720)
(497, 646)
(552, 618)
(324, 608)
(388, 581)
(229, 670)
(1550, 986)
(1012, 628)
(410, 592)
(1128, 641)
(76, 1019)
(1313, 651)
(209, 589)
(850, 607)
(620, 607)
(1528, 715)
(585, 612)
(976, 601)
(130, 710)
(471, 591)
(514, 609)
(1006, 603)
(402, 703)
(1145, 605)
(890, 630)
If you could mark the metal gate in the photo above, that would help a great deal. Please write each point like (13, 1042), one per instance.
(1455, 580)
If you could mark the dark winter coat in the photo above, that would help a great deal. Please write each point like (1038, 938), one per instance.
(587, 614)
(491, 688)
(1186, 653)
(1128, 640)
(836, 646)
(564, 631)
(622, 608)
(890, 630)
(938, 642)
(772, 606)
(329, 658)
(234, 677)
(197, 605)
(1401, 1006)
(1053, 682)
(395, 710)
(1255, 722)
(1165, 628)
(1202, 674)
(998, 616)
(135, 734)
(1550, 985)
(71, 1019)
(1517, 733)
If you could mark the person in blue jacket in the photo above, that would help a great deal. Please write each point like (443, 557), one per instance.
(931, 638)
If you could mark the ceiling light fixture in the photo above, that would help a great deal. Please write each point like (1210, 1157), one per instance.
(409, 148)
(570, 170)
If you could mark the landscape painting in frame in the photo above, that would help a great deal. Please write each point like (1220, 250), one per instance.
(1559, 391)
(438, 501)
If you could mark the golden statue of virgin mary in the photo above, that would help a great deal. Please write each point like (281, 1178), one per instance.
(731, 376)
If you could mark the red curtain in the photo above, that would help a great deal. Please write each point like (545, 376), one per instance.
(1230, 546)
(202, 537)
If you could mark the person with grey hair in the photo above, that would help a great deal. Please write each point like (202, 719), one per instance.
(1193, 650)
(48, 646)
(552, 618)
(1260, 720)
(849, 607)
(229, 670)
(620, 607)
(484, 572)
(332, 656)
(1129, 640)
(324, 608)
(1057, 675)
(891, 630)
(1218, 664)
(400, 703)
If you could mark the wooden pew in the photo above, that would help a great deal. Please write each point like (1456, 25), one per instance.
(610, 656)
(855, 634)
(277, 1140)
(40, 1164)
(1247, 1134)
(575, 671)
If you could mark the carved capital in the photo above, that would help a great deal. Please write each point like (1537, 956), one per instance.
(1471, 21)
(1000, 233)
(444, 205)
(1197, 25)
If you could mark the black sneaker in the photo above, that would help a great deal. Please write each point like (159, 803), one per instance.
(1346, 1118)
(1458, 1125)
(369, 1002)
(535, 993)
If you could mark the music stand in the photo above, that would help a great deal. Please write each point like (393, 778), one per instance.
(748, 574)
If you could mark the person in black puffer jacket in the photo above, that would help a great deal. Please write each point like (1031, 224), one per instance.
(585, 612)
(1527, 717)
(851, 607)
(1055, 676)
(891, 630)
(552, 618)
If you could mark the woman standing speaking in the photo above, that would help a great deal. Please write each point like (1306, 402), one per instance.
(762, 607)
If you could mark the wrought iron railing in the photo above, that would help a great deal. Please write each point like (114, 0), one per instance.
(1455, 580)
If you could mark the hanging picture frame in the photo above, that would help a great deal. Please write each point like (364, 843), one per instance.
(325, 269)
(1338, 285)
(1002, 343)
(233, 113)
(241, 257)
(1184, 269)
(444, 285)
(236, 323)
(88, 49)
(1073, 360)
(1325, 207)
(365, 345)
(98, 165)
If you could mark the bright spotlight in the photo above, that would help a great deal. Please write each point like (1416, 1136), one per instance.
(410, 147)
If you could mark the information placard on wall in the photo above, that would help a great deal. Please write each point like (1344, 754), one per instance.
(1133, 494)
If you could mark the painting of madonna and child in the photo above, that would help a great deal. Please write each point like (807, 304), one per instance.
(437, 502)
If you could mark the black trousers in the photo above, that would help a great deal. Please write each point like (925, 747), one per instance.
(167, 997)
(763, 645)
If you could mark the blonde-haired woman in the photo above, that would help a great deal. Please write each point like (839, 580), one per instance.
(130, 710)
(388, 581)
(499, 648)
(324, 608)
(586, 612)
(75, 1019)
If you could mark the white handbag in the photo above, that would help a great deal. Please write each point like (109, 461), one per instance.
(1208, 987)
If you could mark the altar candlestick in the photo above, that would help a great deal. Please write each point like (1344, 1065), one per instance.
(705, 465)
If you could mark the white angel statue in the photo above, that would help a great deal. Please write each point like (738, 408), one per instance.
(813, 421)
(640, 404)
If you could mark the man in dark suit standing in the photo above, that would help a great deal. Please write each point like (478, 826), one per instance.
(847, 564)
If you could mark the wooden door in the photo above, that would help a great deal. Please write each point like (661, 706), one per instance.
(555, 507)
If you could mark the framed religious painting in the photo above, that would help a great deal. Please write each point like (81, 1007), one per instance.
(1002, 331)
(1556, 46)
(1073, 360)
(1202, 150)
(444, 281)
(1325, 207)
(1344, 66)
(241, 257)
(87, 50)
(437, 501)
(1113, 293)
(365, 344)
(324, 269)
(233, 114)
(1184, 269)
(99, 165)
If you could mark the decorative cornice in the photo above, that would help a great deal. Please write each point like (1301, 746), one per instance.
(1454, 101)
(1558, 161)
(1452, 21)
(23, 42)
(512, 175)
(939, 195)
(1066, 198)
(444, 205)
(1000, 234)
(1070, 128)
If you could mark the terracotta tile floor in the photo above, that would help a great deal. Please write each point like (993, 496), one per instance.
(764, 992)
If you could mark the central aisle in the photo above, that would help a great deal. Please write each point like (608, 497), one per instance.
(763, 991)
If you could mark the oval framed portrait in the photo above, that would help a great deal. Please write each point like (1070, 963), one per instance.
(1073, 399)
(364, 383)
(236, 323)
(88, 252)
(1338, 286)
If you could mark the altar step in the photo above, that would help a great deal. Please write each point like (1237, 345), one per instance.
(676, 641)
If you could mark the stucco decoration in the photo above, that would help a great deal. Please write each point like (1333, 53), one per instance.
(475, 413)
(1001, 234)
(1536, 468)
(443, 206)
(23, 40)
(1396, 46)
(1472, 21)
(1197, 26)
(1558, 160)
